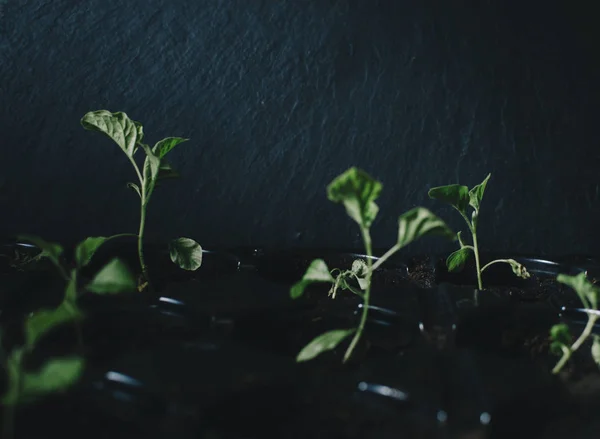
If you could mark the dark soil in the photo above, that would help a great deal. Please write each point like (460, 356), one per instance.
(211, 354)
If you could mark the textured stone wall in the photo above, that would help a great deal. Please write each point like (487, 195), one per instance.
(278, 97)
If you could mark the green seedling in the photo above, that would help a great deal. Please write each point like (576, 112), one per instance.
(460, 197)
(128, 135)
(561, 337)
(113, 278)
(357, 191)
(57, 374)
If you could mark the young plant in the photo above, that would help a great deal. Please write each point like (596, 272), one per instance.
(128, 135)
(460, 197)
(58, 373)
(561, 337)
(357, 191)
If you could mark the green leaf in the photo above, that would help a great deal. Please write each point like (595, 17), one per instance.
(49, 250)
(114, 278)
(125, 132)
(456, 261)
(455, 194)
(150, 171)
(163, 146)
(71, 289)
(323, 343)
(41, 322)
(358, 192)
(519, 269)
(560, 333)
(476, 194)
(419, 222)
(55, 375)
(85, 250)
(317, 271)
(136, 188)
(186, 253)
(587, 291)
(596, 349)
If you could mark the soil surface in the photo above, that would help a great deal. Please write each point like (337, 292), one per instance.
(211, 354)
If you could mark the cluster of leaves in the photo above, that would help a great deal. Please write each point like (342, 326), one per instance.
(562, 340)
(461, 198)
(58, 373)
(128, 135)
(358, 191)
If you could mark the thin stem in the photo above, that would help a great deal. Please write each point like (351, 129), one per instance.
(386, 256)
(477, 263)
(141, 240)
(366, 296)
(137, 171)
(567, 352)
(495, 262)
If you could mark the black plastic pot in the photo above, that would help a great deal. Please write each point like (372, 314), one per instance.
(212, 354)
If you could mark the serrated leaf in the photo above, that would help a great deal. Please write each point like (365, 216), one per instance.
(136, 188)
(419, 222)
(86, 249)
(164, 146)
(323, 343)
(476, 193)
(587, 291)
(357, 191)
(57, 374)
(456, 261)
(118, 126)
(50, 250)
(317, 271)
(41, 322)
(454, 194)
(114, 278)
(186, 253)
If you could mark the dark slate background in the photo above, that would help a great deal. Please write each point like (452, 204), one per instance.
(278, 97)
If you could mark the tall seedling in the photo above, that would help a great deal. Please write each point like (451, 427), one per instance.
(460, 197)
(357, 191)
(128, 135)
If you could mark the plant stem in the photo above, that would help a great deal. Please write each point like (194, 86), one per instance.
(386, 256)
(363, 319)
(582, 338)
(141, 240)
(477, 263)
(494, 262)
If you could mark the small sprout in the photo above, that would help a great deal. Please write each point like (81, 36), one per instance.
(186, 253)
(460, 198)
(357, 191)
(128, 135)
(560, 335)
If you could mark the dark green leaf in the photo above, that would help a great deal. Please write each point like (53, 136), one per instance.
(186, 253)
(163, 146)
(455, 194)
(560, 333)
(49, 250)
(41, 322)
(71, 289)
(150, 171)
(125, 132)
(85, 250)
(323, 343)
(456, 261)
(317, 271)
(114, 278)
(55, 375)
(358, 192)
(419, 222)
(587, 291)
(476, 194)
(136, 188)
